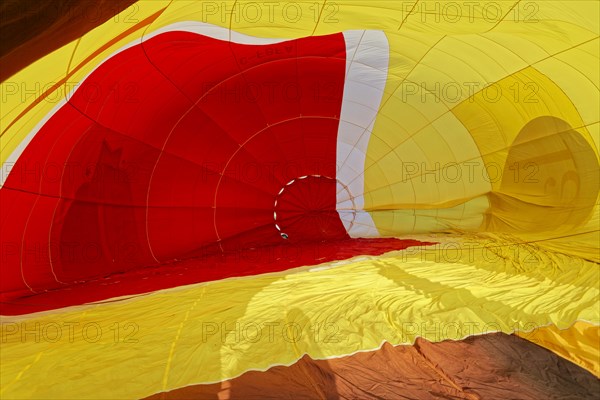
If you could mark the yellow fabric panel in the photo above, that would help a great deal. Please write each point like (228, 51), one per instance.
(577, 243)
(538, 61)
(545, 168)
(579, 343)
(468, 215)
(575, 72)
(495, 116)
(21, 90)
(463, 286)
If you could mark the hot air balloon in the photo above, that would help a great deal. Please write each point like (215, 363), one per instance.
(300, 200)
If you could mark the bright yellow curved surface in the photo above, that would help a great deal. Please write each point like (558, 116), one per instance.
(215, 331)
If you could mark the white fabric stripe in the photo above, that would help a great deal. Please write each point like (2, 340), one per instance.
(367, 59)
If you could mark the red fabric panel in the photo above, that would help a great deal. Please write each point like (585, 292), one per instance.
(175, 148)
(168, 147)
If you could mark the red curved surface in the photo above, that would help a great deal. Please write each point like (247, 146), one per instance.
(168, 147)
(178, 148)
